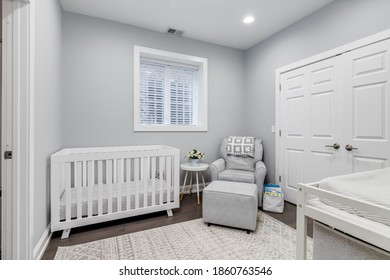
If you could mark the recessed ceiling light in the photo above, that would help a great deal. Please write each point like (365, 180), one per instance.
(248, 19)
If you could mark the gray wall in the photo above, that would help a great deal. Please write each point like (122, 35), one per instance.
(336, 24)
(47, 103)
(97, 76)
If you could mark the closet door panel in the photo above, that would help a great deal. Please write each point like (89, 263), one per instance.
(361, 163)
(295, 167)
(323, 165)
(295, 116)
(321, 120)
(367, 105)
(369, 112)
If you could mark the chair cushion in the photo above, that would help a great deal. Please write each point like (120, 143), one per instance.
(237, 176)
(241, 163)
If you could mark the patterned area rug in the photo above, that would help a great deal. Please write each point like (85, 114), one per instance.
(193, 240)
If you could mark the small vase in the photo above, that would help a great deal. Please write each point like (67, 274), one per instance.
(194, 162)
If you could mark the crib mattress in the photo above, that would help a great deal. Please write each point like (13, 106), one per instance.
(124, 189)
(371, 186)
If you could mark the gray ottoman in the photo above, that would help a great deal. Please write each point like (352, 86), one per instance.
(231, 204)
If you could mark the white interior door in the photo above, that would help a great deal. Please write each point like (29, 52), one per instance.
(17, 130)
(310, 125)
(293, 140)
(335, 117)
(367, 107)
(324, 129)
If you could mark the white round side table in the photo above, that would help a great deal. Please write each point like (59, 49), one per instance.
(188, 167)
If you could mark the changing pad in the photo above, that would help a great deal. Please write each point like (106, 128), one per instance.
(371, 186)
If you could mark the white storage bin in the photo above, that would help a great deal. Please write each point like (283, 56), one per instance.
(273, 198)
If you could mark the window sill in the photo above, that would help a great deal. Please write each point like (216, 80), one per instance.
(168, 128)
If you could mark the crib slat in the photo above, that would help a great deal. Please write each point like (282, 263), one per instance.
(128, 183)
(63, 181)
(68, 201)
(120, 184)
(109, 170)
(146, 177)
(136, 180)
(100, 187)
(169, 177)
(141, 168)
(114, 171)
(77, 184)
(153, 179)
(91, 180)
(176, 178)
(84, 173)
(161, 167)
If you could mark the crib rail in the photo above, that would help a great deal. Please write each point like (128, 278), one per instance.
(91, 185)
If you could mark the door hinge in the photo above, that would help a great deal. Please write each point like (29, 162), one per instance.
(280, 132)
(280, 87)
(280, 178)
(8, 155)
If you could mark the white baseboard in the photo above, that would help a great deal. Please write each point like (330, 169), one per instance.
(43, 242)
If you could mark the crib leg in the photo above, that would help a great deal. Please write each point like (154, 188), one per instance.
(169, 213)
(65, 234)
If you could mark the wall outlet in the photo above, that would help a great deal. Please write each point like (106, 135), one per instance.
(273, 129)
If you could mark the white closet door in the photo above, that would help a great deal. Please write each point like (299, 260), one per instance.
(311, 107)
(367, 106)
(293, 138)
(343, 100)
(324, 110)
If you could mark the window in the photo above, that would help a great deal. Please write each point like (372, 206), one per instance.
(170, 91)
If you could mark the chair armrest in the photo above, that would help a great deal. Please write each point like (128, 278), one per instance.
(216, 167)
(260, 172)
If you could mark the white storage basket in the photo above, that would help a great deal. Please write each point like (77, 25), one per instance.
(273, 198)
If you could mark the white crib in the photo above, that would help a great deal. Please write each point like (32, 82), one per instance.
(93, 185)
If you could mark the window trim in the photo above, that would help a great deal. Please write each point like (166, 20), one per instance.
(178, 58)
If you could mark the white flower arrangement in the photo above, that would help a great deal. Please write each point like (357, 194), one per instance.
(195, 154)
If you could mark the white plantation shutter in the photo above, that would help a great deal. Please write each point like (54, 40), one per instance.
(169, 93)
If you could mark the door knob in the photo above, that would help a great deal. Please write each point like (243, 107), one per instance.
(335, 146)
(350, 147)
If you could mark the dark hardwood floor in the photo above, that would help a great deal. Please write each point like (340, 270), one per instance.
(189, 210)
(289, 217)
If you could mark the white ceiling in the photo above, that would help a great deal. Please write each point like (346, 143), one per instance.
(214, 21)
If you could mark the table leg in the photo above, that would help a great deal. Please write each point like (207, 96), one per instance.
(190, 190)
(184, 184)
(204, 184)
(197, 186)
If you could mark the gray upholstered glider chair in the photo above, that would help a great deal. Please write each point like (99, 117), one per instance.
(244, 169)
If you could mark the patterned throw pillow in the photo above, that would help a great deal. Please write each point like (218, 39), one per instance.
(242, 146)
